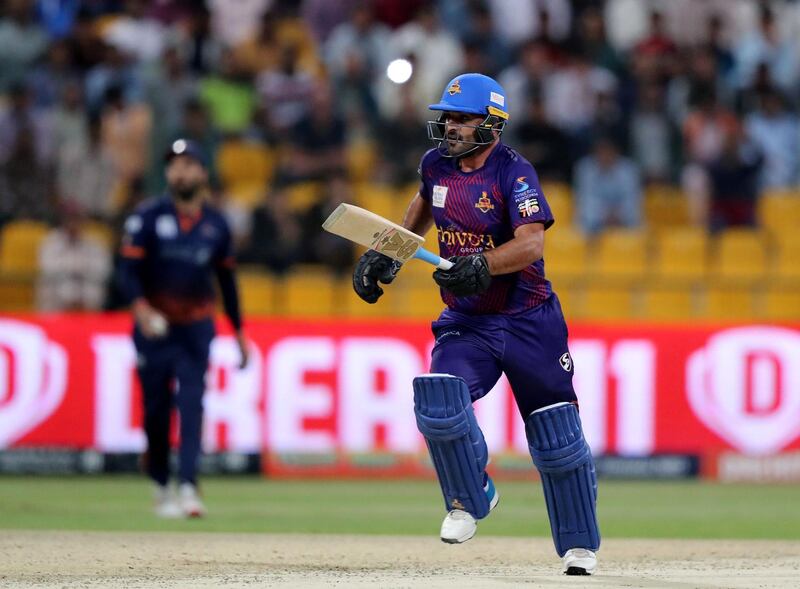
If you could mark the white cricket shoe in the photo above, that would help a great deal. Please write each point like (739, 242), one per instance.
(189, 500)
(166, 506)
(579, 561)
(459, 525)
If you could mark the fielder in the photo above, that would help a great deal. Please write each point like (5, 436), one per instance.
(502, 316)
(171, 248)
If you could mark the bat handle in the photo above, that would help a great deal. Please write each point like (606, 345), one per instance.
(431, 258)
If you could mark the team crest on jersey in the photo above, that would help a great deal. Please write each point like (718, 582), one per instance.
(520, 185)
(484, 205)
(455, 88)
(166, 227)
(528, 207)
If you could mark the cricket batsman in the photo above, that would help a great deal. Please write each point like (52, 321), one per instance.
(502, 316)
(172, 248)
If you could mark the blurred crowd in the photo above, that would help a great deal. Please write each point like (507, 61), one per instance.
(607, 96)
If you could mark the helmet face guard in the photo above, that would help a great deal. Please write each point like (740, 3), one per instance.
(484, 134)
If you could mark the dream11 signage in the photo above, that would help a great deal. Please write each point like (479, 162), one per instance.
(345, 387)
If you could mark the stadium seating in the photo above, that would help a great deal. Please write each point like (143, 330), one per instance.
(739, 257)
(665, 206)
(19, 246)
(307, 292)
(680, 255)
(781, 304)
(566, 253)
(785, 267)
(730, 303)
(559, 197)
(606, 302)
(620, 256)
(257, 292)
(245, 169)
(668, 303)
(779, 211)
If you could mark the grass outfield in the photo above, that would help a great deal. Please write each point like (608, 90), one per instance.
(626, 509)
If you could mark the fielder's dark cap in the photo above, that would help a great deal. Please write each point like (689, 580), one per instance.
(188, 148)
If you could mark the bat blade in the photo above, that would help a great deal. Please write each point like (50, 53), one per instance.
(373, 231)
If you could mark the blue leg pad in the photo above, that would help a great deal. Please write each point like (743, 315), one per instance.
(561, 454)
(445, 418)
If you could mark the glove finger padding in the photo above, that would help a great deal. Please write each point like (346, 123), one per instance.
(468, 276)
(371, 268)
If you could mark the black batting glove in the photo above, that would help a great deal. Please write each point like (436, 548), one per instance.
(468, 276)
(370, 269)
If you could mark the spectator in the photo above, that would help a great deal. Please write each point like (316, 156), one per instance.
(316, 143)
(733, 181)
(134, 33)
(22, 41)
(26, 182)
(273, 217)
(528, 77)
(571, 93)
(286, 91)
(766, 46)
(518, 21)
(775, 132)
(228, 97)
(73, 267)
(48, 80)
(437, 57)
(356, 55)
(402, 142)
(320, 246)
(543, 144)
(654, 138)
(168, 86)
(592, 41)
(482, 34)
(87, 174)
(70, 123)
(19, 116)
(116, 70)
(126, 131)
(607, 189)
(263, 50)
(234, 22)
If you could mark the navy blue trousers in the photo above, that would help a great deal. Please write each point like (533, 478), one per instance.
(172, 373)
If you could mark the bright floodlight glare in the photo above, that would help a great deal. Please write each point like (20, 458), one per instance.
(399, 71)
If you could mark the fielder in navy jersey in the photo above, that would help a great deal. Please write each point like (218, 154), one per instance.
(502, 316)
(173, 248)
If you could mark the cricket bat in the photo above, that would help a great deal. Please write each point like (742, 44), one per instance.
(373, 231)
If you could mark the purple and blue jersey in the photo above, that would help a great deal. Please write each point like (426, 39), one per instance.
(480, 210)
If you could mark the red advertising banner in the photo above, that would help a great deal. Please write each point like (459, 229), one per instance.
(345, 387)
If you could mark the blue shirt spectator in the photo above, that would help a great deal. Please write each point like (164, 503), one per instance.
(775, 132)
(607, 189)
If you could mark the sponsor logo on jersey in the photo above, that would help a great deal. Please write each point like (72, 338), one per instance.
(520, 185)
(528, 207)
(166, 227)
(454, 88)
(484, 205)
(439, 196)
(451, 237)
(566, 361)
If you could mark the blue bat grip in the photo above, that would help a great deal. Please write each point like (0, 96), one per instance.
(431, 258)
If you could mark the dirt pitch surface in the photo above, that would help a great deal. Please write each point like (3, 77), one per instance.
(133, 560)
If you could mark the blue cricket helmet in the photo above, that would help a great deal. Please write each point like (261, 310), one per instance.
(474, 93)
